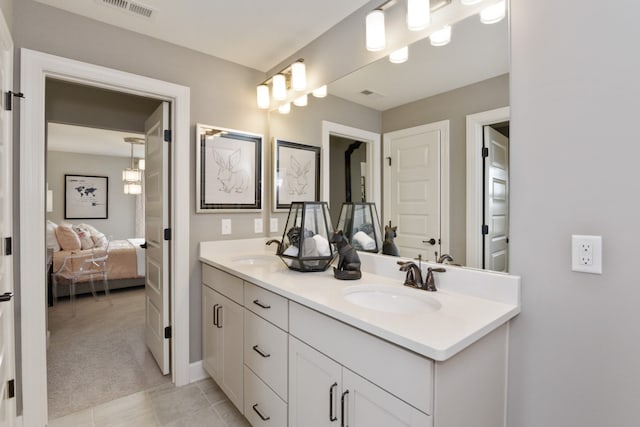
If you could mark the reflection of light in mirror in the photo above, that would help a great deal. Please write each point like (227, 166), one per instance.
(263, 96)
(493, 14)
(418, 14)
(399, 56)
(285, 108)
(321, 92)
(441, 37)
(298, 76)
(301, 101)
(279, 87)
(375, 35)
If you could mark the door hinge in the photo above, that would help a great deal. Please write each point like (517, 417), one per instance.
(11, 389)
(8, 246)
(485, 152)
(167, 332)
(485, 230)
(8, 99)
(167, 135)
(167, 234)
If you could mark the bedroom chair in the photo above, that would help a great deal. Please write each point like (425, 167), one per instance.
(81, 268)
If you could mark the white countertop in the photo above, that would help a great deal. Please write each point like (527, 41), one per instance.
(473, 302)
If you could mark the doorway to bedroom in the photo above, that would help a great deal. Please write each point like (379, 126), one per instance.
(96, 346)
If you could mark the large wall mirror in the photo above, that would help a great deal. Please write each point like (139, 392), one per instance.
(436, 94)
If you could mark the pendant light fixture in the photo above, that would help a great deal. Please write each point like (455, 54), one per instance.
(441, 37)
(494, 13)
(418, 14)
(399, 56)
(132, 176)
(375, 33)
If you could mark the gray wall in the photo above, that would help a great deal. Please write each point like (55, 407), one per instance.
(120, 223)
(454, 106)
(222, 94)
(575, 99)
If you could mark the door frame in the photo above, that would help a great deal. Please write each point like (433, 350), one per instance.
(445, 172)
(35, 68)
(372, 140)
(475, 179)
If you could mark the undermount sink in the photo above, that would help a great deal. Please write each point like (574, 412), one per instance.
(391, 299)
(254, 259)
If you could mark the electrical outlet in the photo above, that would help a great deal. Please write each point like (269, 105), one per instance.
(226, 226)
(273, 226)
(257, 225)
(586, 254)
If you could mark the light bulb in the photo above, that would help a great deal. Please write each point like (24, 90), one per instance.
(301, 101)
(399, 56)
(263, 96)
(298, 76)
(279, 87)
(494, 13)
(441, 37)
(376, 39)
(321, 92)
(285, 108)
(418, 14)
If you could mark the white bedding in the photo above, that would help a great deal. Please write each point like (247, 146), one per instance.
(139, 254)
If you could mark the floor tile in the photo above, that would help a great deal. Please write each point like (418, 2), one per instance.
(173, 403)
(212, 392)
(205, 417)
(133, 410)
(77, 419)
(230, 414)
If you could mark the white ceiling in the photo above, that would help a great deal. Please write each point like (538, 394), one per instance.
(255, 33)
(102, 142)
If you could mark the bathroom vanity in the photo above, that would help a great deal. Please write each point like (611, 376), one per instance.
(304, 349)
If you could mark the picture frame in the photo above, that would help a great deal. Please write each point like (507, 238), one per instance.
(229, 170)
(86, 197)
(296, 174)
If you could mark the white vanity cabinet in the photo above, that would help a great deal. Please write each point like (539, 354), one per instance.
(222, 331)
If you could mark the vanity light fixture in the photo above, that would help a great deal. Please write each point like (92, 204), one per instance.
(263, 96)
(375, 34)
(298, 76)
(321, 92)
(279, 87)
(285, 108)
(441, 37)
(418, 14)
(300, 101)
(494, 13)
(399, 56)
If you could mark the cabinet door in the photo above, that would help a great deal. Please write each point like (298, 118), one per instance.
(211, 344)
(367, 405)
(230, 326)
(314, 387)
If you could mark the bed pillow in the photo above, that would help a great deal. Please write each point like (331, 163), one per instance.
(100, 241)
(52, 240)
(67, 238)
(84, 234)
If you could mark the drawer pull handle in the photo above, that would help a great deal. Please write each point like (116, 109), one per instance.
(218, 318)
(343, 401)
(261, 304)
(255, 408)
(215, 316)
(332, 399)
(260, 352)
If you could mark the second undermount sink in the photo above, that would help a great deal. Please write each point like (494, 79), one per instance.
(391, 299)
(254, 259)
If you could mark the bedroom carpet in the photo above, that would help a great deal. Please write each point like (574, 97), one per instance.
(98, 355)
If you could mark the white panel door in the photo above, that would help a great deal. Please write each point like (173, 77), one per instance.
(415, 190)
(496, 204)
(7, 329)
(156, 221)
(315, 385)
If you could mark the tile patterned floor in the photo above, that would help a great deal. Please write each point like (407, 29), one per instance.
(201, 404)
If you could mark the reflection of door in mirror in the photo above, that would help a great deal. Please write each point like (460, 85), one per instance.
(416, 189)
(346, 178)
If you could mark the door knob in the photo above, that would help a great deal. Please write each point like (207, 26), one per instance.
(431, 241)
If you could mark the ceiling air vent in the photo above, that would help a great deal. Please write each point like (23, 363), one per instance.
(131, 7)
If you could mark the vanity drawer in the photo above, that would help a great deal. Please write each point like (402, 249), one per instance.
(228, 285)
(262, 407)
(267, 305)
(265, 352)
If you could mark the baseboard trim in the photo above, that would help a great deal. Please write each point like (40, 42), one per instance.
(197, 372)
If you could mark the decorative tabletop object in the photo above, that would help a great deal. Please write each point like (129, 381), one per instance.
(361, 226)
(388, 246)
(305, 243)
(348, 260)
